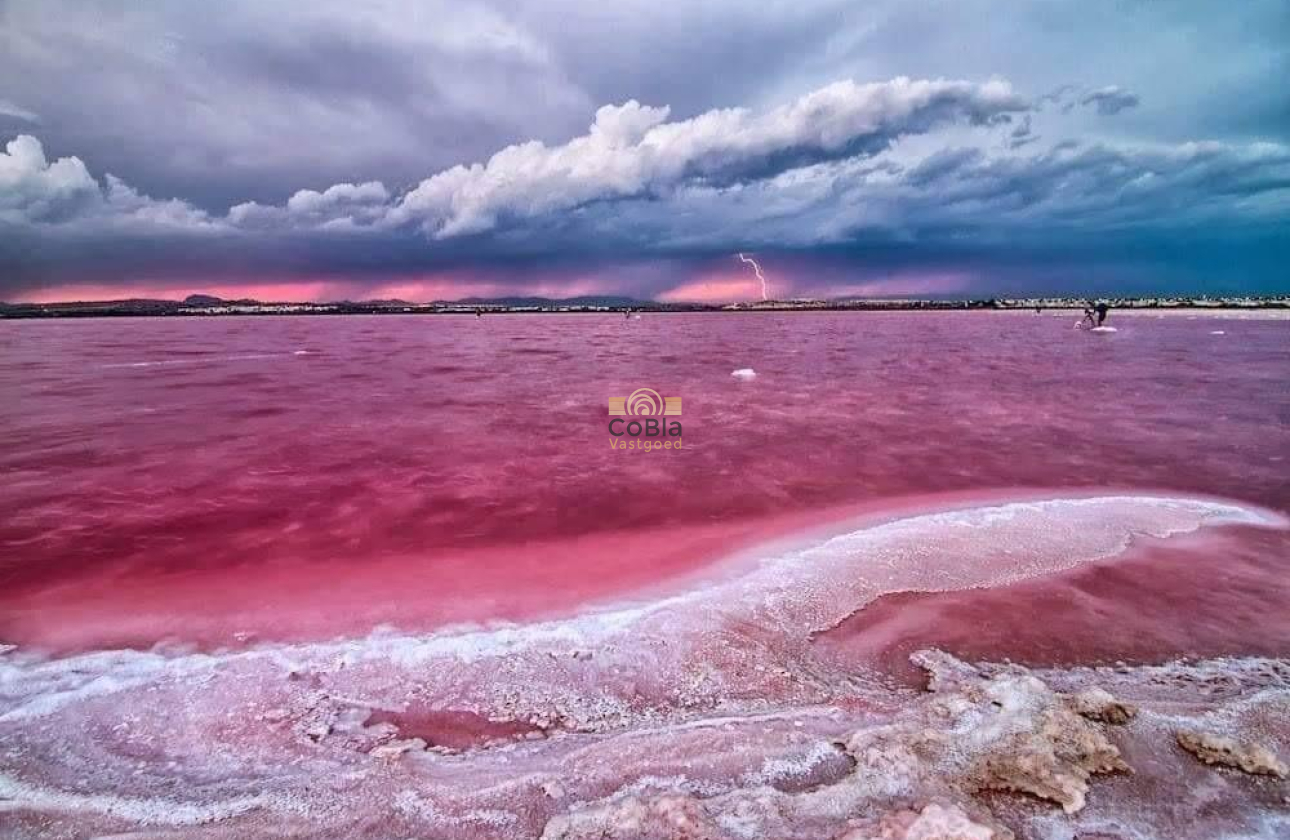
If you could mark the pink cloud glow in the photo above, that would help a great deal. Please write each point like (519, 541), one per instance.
(722, 282)
(730, 284)
(448, 286)
(725, 285)
(292, 290)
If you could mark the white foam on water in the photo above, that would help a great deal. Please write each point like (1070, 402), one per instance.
(247, 357)
(796, 591)
(744, 373)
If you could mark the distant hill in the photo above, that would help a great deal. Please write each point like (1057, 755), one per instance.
(141, 304)
(211, 300)
(582, 300)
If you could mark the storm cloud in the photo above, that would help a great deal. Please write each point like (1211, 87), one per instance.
(632, 150)
(636, 148)
(1110, 100)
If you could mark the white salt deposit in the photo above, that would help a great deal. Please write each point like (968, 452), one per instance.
(709, 706)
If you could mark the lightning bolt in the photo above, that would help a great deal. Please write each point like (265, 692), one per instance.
(765, 290)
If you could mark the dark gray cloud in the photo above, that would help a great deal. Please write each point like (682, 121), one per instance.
(256, 99)
(9, 112)
(630, 150)
(1110, 100)
(1162, 210)
(388, 138)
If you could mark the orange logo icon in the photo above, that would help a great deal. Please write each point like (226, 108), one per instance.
(644, 402)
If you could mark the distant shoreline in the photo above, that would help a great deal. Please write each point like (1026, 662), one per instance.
(209, 307)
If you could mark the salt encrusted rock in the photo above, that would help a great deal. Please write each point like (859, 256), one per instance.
(1220, 749)
(394, 750)
(1052, 753)
(1098, 704)
(945, 673)
(1022, 735)
(662, 818)
(275, 715)
(1003, 731)
(934, 822)
(686, 818)
(318, 730)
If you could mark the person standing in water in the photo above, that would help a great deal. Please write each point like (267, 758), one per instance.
(1089, 320)
(1094, 314)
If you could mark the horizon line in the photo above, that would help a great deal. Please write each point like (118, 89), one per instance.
(626, 301)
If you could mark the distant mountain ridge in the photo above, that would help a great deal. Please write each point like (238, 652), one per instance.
(211, 300)
(205, 300)
(200, 304)
(581, 300)
(196, 305)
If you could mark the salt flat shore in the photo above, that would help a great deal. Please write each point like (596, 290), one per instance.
(709, 714)
(1210, 312)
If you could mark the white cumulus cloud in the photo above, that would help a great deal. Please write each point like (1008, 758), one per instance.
(37, 191)
(337, 207)
(632, 150)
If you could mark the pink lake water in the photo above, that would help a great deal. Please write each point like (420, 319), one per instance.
(434, 503)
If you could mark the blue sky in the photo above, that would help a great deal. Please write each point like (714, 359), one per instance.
(443, 149)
